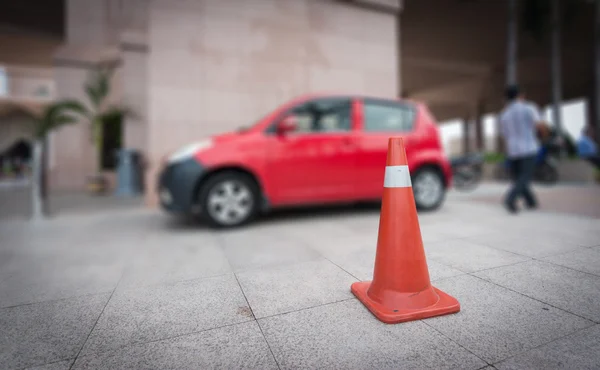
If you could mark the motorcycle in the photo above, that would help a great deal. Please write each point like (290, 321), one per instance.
(546, 165)
(467, 171)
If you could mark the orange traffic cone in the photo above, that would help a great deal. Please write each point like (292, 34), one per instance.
(401, 290)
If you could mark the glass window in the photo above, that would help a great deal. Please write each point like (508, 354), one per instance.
(388, 117)
(323, 115)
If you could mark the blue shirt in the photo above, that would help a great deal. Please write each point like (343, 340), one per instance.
(518, 126)
(586, 147)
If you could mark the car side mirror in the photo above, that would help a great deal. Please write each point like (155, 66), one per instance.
(287, 124)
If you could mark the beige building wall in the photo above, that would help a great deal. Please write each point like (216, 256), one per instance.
(193, 68)
(30, 82)
(99, 31)
(217, 65)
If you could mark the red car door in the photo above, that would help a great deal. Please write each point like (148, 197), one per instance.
(379, 120)
(316, 162)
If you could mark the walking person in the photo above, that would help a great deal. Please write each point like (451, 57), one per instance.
(519, 122)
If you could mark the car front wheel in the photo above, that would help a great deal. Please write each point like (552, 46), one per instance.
(428, 188)
(229, 199)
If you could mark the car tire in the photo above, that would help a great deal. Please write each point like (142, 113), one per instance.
(429, 188)
(238, 196)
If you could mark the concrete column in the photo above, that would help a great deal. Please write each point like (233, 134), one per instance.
(592, 113)
(135, 91)
(499, 138)
(512, 44)
(479, 139)
(595, 102)
(466, 136)
(556, 77)
(512, 57)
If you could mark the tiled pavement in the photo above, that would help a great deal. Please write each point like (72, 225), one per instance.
(132, 289)
(581, 199)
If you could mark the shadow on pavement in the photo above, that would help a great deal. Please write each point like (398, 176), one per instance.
(283, 215)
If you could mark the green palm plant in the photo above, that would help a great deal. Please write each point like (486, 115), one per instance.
(53, 117)
(100, 113)
(56, 115)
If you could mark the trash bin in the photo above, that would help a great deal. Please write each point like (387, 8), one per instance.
(129, 173)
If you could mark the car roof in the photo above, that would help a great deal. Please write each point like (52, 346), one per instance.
(357, 96)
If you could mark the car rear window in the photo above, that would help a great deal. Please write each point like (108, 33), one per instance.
(387, 116)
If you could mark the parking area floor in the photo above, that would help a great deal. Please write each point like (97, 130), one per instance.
(135, 289)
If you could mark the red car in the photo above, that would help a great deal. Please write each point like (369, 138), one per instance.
(312, 150)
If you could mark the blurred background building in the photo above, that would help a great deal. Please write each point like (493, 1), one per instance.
(192, 68)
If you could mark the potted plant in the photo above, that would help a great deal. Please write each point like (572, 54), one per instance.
(52, 117)
(99, 114)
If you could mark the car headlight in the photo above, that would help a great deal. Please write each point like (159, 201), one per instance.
(189, 151)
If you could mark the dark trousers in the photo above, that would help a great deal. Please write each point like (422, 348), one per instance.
(522, 170)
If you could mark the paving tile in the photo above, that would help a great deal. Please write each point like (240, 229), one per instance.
(465, 229)
(359, 264)
(532, 245)
(50, 272)
(46, 332)
(162, 261)
(345, 335)
(584, 237)
(162, 311)
(362, 264)
(290, 288)
(579, 351)
(434, 236)
(468, 256)
(570, 290)
(363, 222)
(563, 223)
(496, 323)
(251, 251)
(53, 282)
(239, 346)
(335, 238)
(584, 259)
(61, 365)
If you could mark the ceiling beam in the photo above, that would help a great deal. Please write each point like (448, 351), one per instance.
(465, 68)
(461, 91)
(392, 7)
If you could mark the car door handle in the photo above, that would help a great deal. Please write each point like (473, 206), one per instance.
(348, 143)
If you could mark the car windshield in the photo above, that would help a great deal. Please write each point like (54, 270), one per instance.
(245, 128)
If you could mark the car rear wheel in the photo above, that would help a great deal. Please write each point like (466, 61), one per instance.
(428, 188)
(229, 199)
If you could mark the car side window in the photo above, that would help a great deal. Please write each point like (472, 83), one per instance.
(323, 115)
(381, 116)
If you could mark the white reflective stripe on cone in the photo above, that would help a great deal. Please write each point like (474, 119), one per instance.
(397, 177)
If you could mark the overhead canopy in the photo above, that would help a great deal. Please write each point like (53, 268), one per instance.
(454, 56)
(453, 52)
